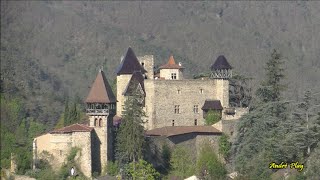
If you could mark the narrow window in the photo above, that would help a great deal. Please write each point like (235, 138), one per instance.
(176, 109)
(196, 109)
(173, 75)
(60, 152)
(100, 122)
(201, 91)
(195, 122)
(179, 91)
(142, 64)
(95, 122)
(172, 122)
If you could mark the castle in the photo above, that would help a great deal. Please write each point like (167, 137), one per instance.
(175, 108)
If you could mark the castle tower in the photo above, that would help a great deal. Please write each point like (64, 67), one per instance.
(221, 71)
(128, 66)
(171, 70)
(101, 108)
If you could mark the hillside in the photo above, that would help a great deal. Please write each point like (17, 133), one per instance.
(53, 49)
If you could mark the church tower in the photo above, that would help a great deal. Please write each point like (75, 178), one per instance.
(101, 108)
(221, 71)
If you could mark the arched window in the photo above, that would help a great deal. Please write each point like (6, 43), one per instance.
(100, 122)
(195, 122)
(95, 122)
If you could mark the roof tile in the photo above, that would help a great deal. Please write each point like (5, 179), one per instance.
(221, 63)
(101, 91)
(130, 64)
(171, 64)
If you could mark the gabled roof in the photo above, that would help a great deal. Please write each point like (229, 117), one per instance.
(171, 64)
(72, 128)
(221, 63)
(101, 91)
(169, 131)
(136, 79)
(212, 105)
(130, 64)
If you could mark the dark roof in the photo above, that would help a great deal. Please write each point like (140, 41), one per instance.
(101, 91)
(171, 64)
(178, 130)
(130, 64)
(212, 104)
(137, 78)
(72, 128)
(221, 63)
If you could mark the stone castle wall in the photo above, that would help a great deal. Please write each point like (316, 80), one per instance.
(149, 103)
(239, 113)
(147, 62)
(122, 82)
(184, 93)
(82, 140)
(56, 147)
(166, 73)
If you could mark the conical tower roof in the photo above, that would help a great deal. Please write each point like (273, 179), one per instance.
(171, 64)
(221, 63)
(101, 91)
(130, 64)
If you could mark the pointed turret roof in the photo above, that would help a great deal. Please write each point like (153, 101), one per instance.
(130, 64)
(221, 63)
(171, 64)
(136, 79)
(101, 91)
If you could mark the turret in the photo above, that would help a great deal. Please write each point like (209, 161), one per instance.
(101, 108)
(221, 69)
(129, 65)
(171, 70)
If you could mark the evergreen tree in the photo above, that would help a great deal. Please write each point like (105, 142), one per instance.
(130, 136)
(240, 93)
(66, 115)
(272, 87)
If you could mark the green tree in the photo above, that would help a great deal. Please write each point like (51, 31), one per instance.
(208, 165)
(142, 170)
(224, 146)
(182, 163)
(130, 136)
(240, 91)
(212, 117)
(66, 114)
(272, 86)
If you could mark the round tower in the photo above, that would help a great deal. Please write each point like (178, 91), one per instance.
(221, 71)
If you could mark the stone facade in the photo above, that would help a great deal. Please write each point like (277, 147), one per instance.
(175, 102)
(55, 148)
